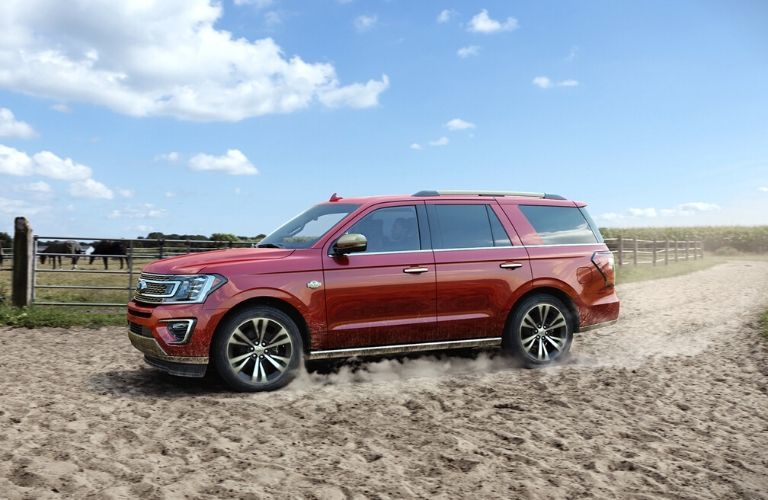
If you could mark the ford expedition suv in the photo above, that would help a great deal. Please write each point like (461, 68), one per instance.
(381, 275)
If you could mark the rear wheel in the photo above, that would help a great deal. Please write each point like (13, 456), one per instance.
(257, 349)
(540, 331)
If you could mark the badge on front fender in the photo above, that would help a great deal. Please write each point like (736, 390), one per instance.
(314, 284)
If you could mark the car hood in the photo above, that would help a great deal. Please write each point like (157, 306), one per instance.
(196, 262)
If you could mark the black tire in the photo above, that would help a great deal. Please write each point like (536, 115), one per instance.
(242, 355)
(535, 342)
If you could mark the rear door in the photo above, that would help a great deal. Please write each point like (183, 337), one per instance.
(385, 295)
(482, 268)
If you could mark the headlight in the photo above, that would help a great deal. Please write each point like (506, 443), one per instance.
(177, 289)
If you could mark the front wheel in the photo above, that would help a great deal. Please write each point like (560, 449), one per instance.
(257, 349)
(540, 331)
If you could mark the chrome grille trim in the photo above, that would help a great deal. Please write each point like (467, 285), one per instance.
(158, 287)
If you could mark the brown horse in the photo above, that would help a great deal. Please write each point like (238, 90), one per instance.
(107, 248)
(60, 248)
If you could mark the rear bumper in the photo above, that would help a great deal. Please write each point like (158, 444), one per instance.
(600, 313)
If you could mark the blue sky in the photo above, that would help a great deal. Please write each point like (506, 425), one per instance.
(194, 116)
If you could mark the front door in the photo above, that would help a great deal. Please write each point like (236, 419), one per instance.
(385, 295)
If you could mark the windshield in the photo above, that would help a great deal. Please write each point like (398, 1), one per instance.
(305, 229)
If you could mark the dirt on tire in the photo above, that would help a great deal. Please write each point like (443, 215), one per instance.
(671, 402)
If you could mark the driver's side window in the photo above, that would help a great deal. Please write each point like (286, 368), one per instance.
(391, 229)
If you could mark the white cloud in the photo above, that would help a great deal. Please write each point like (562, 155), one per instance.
(468, 51)
(763, 189)
(15, 162)
(442, 141)
(61, 108)
(259, 4)
(234, 162)
(143, 211)
(172, 157)
(126, 193)
(11, 127)
(416, 146)
(357, 95)
(273, 18)
(691, 208)
(682, 210)
(154, 58)
(48, 164)
(170, 194)
(90, 188)
(459, 124)
(545, 82)
(643, 212)
(542, 82)
(13, 207)
(365, 23)
(445, 15)
(484, 23)
(572, 54)
(38, 187)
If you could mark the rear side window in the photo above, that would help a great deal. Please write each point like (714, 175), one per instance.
(465, 226)
(559, 225)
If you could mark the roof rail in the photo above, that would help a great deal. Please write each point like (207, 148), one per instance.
(443, 192)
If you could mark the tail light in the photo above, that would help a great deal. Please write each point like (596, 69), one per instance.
(603, 261)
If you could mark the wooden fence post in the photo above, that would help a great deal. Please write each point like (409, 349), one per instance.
(677, 244)
(666, 252)
(701, 249)
(653, 251)
(634, 251)
(162, 247)
(621, 250)
(687, 248)
(23, 259)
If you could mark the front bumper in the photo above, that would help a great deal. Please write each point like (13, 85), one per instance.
(149, 334)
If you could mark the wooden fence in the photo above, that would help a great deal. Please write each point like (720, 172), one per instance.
(635, 251)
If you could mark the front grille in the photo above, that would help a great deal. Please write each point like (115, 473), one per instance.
(139, 330)
(156, 288)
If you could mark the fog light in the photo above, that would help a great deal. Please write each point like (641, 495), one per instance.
(179, 329)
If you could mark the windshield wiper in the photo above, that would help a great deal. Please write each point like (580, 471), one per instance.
(268, 245)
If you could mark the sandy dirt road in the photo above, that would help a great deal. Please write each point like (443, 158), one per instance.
(671, 402)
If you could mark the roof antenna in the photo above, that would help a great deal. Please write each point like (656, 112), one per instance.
(335, 197)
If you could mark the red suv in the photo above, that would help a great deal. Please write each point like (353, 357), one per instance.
(381, 275)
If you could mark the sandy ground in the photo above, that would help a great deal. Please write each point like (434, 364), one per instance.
(671, 402)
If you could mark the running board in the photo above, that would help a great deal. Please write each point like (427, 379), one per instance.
(404, 348)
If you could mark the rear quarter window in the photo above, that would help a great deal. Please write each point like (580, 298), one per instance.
(558, 225)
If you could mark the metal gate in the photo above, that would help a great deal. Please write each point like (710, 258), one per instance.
(68, 278)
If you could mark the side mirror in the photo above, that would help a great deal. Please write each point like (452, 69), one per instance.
(350, 243)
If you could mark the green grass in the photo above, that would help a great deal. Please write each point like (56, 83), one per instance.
(764, 324)
(630, 274)
(59, 317)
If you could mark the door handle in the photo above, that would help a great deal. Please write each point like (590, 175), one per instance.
(510, 265)
(415, 270)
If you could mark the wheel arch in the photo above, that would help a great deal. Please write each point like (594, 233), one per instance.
(548, 289)
(279, 304)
